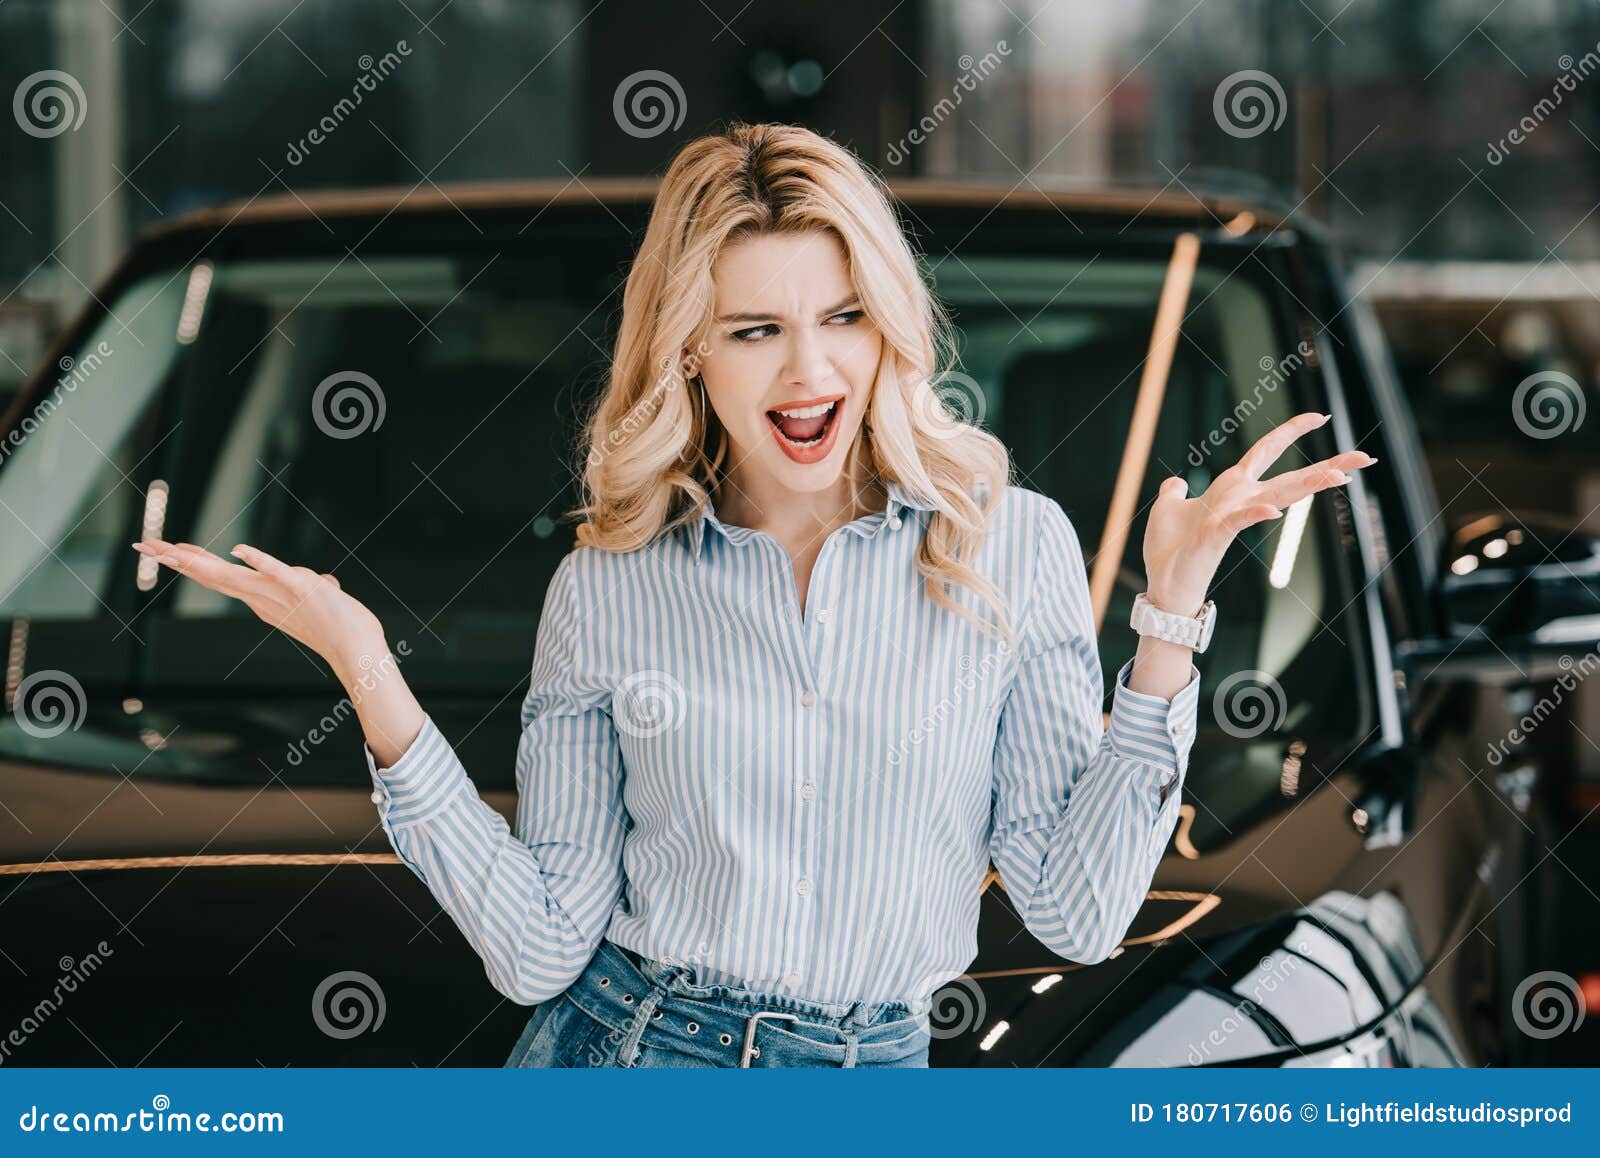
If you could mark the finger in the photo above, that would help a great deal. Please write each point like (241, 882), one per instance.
(1248, 516)
(1350, 460)
(1176, 487)
(261, 561)
(208, 570)
(1271, 445)
(1297, 484)
(329, 577)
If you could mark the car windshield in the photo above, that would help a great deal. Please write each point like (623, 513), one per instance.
(408, 421)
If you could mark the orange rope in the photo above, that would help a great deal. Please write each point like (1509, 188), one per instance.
(217, 860)
(1142, 430)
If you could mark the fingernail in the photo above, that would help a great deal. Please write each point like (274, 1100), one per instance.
(236, 552)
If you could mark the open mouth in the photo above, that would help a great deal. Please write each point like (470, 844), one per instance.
(806, 426)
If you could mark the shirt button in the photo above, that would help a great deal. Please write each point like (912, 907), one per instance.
(824, 615)
(377, 796)
(791, 980)
(803, 887)
(807, 791)
(809, 698)
(894, 523)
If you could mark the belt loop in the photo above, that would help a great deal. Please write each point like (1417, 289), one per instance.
(628, 1052)
(852, 1045)
(663, 973)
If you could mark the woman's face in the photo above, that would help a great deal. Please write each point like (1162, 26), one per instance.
(789, 334)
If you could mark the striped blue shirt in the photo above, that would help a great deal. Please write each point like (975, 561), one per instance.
(803, 804)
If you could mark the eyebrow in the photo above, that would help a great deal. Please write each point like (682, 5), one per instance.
(853, 299)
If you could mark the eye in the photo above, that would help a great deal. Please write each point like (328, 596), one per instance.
(851, 317)
(753, 334)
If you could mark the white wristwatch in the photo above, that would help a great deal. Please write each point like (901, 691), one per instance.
(1191, 631)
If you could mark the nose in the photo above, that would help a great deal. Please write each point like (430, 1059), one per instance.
(808, 361)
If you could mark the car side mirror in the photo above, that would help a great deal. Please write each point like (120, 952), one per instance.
(1525, 578)
(1518, 595)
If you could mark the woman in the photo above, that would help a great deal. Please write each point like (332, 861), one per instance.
(814, 663)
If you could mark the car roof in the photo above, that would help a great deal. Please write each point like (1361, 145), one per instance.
(1183, 205)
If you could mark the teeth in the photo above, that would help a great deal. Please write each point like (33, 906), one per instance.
(807, 411)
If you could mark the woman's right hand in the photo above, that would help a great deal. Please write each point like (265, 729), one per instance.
(307, 605)
(313, 609)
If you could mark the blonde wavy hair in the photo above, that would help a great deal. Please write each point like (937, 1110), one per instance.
(655, 449)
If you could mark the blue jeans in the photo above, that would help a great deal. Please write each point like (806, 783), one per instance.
(625, 1010)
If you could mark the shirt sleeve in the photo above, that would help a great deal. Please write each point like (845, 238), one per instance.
(1082, 812)
(534, 904)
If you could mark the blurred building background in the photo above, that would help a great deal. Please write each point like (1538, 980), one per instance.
(1390, 108)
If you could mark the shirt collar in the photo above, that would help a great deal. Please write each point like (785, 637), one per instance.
(900, 499)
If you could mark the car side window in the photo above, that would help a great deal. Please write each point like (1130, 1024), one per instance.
(1057, 348)
(69, 496)
(396, 422)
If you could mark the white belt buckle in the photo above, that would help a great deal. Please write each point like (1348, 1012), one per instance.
(750, 1049)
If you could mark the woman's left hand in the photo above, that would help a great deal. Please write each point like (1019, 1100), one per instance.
(1185, 538)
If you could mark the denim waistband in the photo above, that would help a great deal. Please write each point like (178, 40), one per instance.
(630, 993)
(679, 979)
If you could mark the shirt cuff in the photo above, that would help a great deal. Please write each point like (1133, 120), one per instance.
(421, 781)
(1151, 730)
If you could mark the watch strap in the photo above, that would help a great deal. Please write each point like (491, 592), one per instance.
(1189, 631)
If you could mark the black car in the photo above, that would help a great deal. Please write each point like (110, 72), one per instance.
(387, 385)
